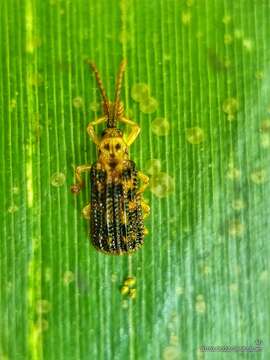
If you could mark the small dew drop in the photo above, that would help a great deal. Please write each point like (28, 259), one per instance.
(140, 91)
(236, 228)
(148, 105)
(58, 179)
(12, 209)
(259, 74)
(258, 176)
(238, 33)
(264, 275)
(15, 190)
(233, 287)
(230, 106)
(114, 277)
(238, 204)
(161, 184)
(171, 353)
(13, 103)
(43, 306)
(228, 39)
(265, 126)
(233, 173)
(226, 19)
(186, 18)
(248, 44)
(77, 102)
(153, 166)
(35, 79)
(179, 290)
(125, 304)
(160, 126)
(94, 106)
(265, 140)
(68, 277)
(200, 305)
(195, 135)
(42, 325)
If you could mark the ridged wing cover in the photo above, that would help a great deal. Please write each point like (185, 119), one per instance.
(116, 214)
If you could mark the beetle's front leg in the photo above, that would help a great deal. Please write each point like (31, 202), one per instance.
(135, 130)
(76, 188)
(91, 131)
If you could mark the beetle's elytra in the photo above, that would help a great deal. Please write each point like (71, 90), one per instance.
(116, 208)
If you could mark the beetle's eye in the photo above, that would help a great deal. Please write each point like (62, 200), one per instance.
(117, 146)
(106, 147)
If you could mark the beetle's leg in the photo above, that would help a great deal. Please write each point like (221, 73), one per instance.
(91, 131)
(145, 208)
(76, 188)
(135, 130)
(145, 180)
(86, 211)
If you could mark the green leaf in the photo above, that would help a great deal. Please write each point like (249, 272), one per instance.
(202, 277)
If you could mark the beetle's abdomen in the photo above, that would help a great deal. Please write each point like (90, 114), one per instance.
(116, 215)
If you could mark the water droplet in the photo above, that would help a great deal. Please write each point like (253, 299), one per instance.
(94, 106)
(200, 305)
(228, 39)
(140, 91)
(259, 176)
(248, 44)
(43, 306)
(35, 79)
(230, 106)
(265, 125)
(238, 204)
(160, 126)
(15, 190)
(259, 74)
(226, 19)
(265, 140)
(13, 103)
(58, 179)
(148, 105)
(238, 33)
(233, 287)
(264, 275)
(77, 102)
(195, 135)
(12, 209)
(153, 166)
(42, 325)
(186, 18)
(68, 277)
(171, 353)
(233, 173)
(236, 228)
(161, 184)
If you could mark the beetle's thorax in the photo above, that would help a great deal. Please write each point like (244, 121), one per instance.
(113, 150)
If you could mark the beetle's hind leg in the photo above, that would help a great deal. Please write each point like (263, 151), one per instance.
(145, 208)
(76, 188)
(145, 181)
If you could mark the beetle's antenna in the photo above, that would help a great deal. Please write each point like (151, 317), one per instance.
(100, 85)
(118, 90)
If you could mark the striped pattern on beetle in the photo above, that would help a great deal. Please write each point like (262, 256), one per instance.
(117, 208)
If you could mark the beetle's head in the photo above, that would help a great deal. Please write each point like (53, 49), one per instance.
(112, 148)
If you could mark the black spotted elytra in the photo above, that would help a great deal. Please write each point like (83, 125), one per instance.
(117, 209)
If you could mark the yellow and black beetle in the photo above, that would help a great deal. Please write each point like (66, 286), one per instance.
(116, 209)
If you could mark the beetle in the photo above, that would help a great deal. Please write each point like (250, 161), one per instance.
(117, 208)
